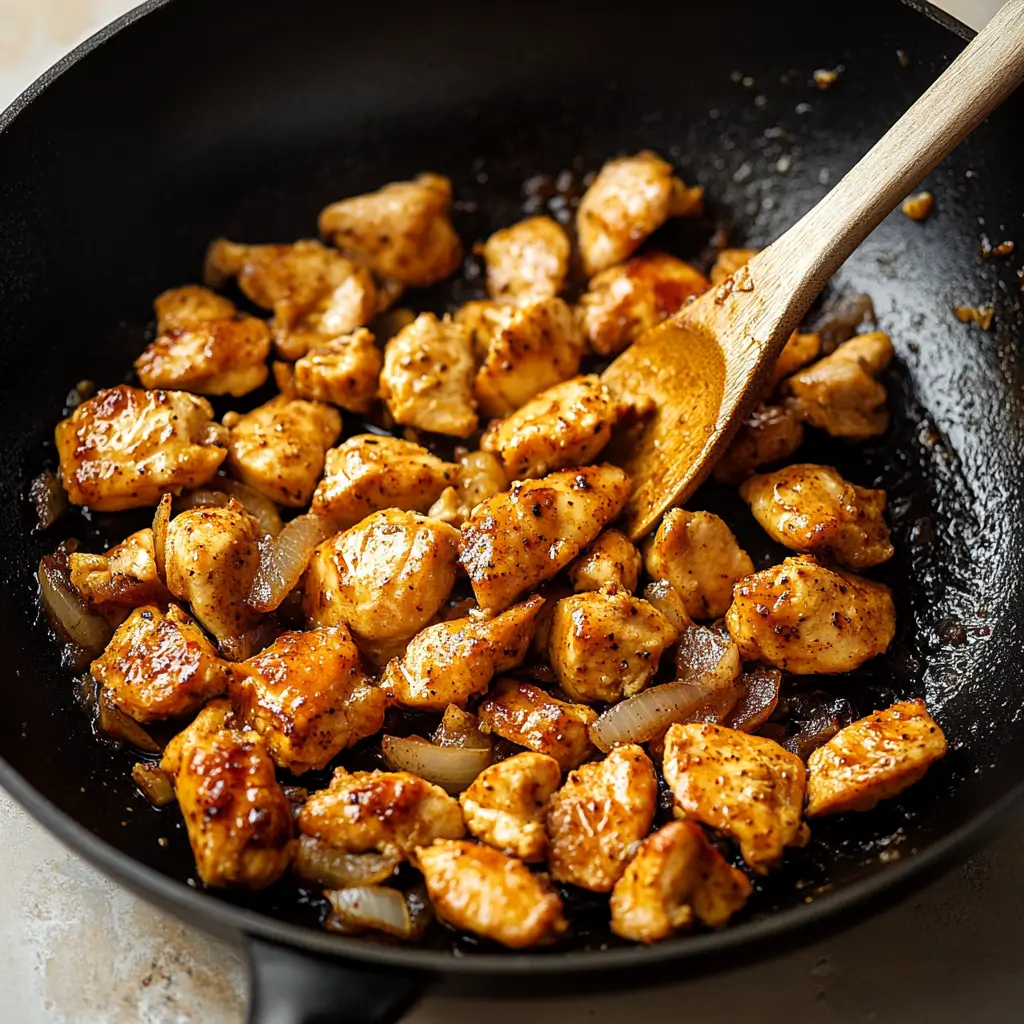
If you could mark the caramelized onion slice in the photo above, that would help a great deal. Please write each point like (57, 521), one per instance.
(320, 864)
(49, 499)
(284, 559)
(451, 768)
(154, 783)
(460, 728)
(69, 614)
(382, 909)
(761, 695)
(259, 506)
(117, 725)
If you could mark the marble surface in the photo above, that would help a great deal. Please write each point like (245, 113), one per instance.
(76, 949)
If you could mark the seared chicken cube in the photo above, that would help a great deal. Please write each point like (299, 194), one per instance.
(746, 786)
(612, 562)
(125, 577)
(796, 353)
(482, 319)
(192, 304)
(675, 877)
(698, 554)
(307, 696)
(370, 472)
(427, 380)
(523, 713)
(535, 346)
(391, 812)
(873, 759)
(812, 508)
(342, 371)
(401, 231)
(278, 448)
(810, 620)
(529, 260)
(160, 665)
(238, 818)
(478, 889)
(839, 394)
(451, 661)
(505, 806)
(480, 475)
(526, 535)
(728, 262)
(566, 425)
(624, 301)
(769, 434)
(606, 646)
(125, 447)
(597, 817)
(630, 197)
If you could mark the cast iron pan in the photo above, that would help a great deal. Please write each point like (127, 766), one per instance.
(198, 118)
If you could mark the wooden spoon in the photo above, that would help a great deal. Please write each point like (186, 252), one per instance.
(705, 366)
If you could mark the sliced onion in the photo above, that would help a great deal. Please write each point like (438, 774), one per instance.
(202, 497)
(68, 612)
(382, 909)
(666, 599)
(114, 723)
(155, 784)
(451, 768)
(283, 561)
(259, 506)
(320, 864)
(161, 520)
(813, 733)
(760, 697)
(49, 499)
(705, 655)
(459, 728)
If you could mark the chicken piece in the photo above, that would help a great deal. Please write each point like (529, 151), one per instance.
(534, 346)
(238, 818)
(125, 447)
(527, 534)
(800, 350)
(566, 425)
(390, 812)
(746, 786)
(612, 562)
(482, 319)
(185, 307)
(527, 261)
(451, 661)
(342, 371)
(427, 380)
(624, 301)
(478, 889)
(385, 578)
(675, 876)
(278, 449)
(769, 434)
(606, 646)
(523, 713)
(402, 231)
(160, 665)
(595, 819)
(630, 198)
(698, 554)
(506, 804)
(812, 508)
(125, 577)
(839, 394)
(873, 759)
(728, 262)
(480, 475)
(307, 696)
(809, 620)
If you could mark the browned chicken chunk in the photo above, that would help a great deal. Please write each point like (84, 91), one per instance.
(479, 476)
(769, 434)
(482, 319)
(528, 260)
(124, 577)
(342, 371)
(797, 352)
(190, 305)
(728, 262)
(612, 562)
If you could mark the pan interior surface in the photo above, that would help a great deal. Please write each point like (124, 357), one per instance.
(207, 119)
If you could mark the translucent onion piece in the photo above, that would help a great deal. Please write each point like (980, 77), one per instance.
(68, 612)
(155, 784)
(705, 655)
(382, 909)
(760, 697)
(451, 768)
(320, 864)
(49, 499)
(161, 520)
(259, 506)
(119, 726)
(202, 497)
(284, 561)
(459, 728)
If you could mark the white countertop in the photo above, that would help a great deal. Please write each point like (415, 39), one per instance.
(77, 949)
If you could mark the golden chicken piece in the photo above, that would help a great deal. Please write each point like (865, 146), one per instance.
(478, 889)
(160, 665)
(523, 713)
(278, 448)
(728, 262)
(371, 472)
(769, 434)
(308, 697)
(625, 300)
(427, 380)
(451, 661)
(238, 818)
(125, 447)
(630, 198)
(812, 508)
(479, 476)
(873, 759)
(482, 319)
(529, 260)
(342, 371)
(612, 562)
(124, 577)
(606, 646)
(809, 620)
(505, 806)
(534, 346)
(675, 877)
(595, 819)
(566, 425)
(839, 394)
(746, 786)
(698, 554)
(401, 231)
(532, 531)
(391, 812)
(800, 350)
(189, 305)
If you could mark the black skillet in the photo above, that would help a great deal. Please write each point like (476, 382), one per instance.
(198, 118)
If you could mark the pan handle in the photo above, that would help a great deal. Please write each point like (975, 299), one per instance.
(287, 986)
